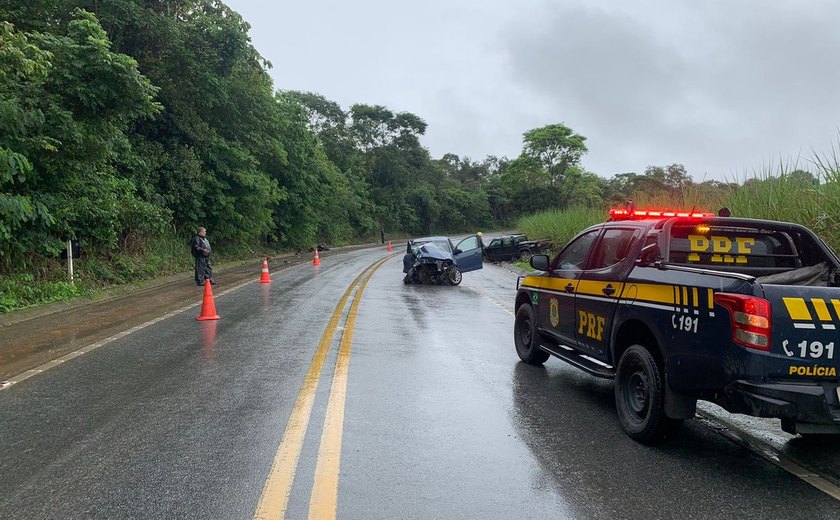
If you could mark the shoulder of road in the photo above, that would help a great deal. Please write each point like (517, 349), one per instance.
(34, 336)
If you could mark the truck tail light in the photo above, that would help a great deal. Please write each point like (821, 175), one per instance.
(750, 319)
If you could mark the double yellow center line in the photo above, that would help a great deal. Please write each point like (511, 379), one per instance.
(324, 498)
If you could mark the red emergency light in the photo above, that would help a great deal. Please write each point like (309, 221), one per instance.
(630, 214)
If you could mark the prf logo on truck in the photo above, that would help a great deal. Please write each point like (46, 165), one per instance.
(680, 306)
(721, 247)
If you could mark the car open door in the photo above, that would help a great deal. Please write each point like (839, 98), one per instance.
(468, 254)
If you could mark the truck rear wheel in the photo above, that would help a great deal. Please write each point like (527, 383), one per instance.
(640, 397)
(527, 338)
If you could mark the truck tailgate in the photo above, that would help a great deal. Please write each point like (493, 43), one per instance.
(806, 331)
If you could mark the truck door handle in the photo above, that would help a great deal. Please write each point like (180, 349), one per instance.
(570, 288)
(608, 290)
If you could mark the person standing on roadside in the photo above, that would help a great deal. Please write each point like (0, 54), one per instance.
(200, 248)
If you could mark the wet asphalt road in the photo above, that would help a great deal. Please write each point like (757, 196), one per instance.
(183, 419)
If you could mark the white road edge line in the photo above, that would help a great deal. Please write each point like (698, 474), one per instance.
(769, 453)
(491, 299)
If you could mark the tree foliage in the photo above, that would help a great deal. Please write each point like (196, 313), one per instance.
(68, 103)
(556, 147)
(123, 121)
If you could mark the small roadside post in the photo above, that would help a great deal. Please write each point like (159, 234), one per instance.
(70, 260)
(71, 252)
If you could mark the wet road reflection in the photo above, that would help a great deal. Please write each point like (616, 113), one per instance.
(265, 292)
(568, 421)
(208, 336)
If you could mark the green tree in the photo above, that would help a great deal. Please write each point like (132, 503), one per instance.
(23, 70)
(370, 126)
(556, 147)
(79, 106)
(329, 122)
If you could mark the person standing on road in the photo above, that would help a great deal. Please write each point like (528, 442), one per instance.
(200, 248)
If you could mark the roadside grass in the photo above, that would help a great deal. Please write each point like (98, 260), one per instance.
(21, 290)
(828, 168)
(805, 192)
(694, 197)
(45, 279)
(775, 193)
(557, 226)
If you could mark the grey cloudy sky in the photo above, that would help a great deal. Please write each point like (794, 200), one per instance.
(724, 87)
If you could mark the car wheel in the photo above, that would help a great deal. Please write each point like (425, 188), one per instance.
(527, 338)
(454, 275)
(640, 397)
(525, 255)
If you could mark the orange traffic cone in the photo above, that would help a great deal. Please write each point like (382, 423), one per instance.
(208, 306)
(316, 260)
(264, 277)
(389, 246)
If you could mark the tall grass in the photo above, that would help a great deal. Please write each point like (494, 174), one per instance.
(783, 192)
(696, 197)
(775, 192)
(805, 191)
(560, 226)
(827, 167)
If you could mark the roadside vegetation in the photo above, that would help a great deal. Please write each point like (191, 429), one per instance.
(805, 192)
(557, 226)
(127, 124)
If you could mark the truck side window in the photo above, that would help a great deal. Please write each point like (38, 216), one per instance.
(650, 251)
(611, 249)
(574, 255)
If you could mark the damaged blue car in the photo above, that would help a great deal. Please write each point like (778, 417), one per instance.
(435, 260)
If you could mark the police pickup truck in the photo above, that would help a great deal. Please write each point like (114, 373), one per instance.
(677, 307)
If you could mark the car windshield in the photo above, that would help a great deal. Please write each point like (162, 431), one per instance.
(442, 243)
